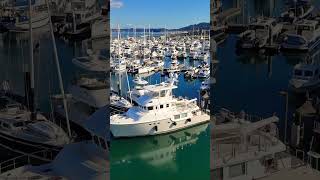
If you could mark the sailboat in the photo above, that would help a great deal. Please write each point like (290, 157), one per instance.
(120, 63)
(23, 124)
(88, 159)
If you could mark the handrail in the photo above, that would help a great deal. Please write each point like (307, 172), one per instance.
(14, 163)
(248, 117)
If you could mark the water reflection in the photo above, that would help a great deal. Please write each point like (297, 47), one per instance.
(171, 153)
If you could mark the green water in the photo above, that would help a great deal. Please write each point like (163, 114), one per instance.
(181, 155)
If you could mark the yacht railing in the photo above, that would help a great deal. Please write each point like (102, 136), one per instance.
(258, 143)
(237, 145)
(115, 111)
(248, 117)
(34, 158)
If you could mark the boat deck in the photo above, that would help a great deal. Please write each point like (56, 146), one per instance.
(303, 172)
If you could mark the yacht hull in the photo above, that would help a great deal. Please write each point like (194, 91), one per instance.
(155, 127)
(12, 141)
(145, 70)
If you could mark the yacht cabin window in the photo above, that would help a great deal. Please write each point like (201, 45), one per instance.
(167, 105)
(161, 106)
(150, 108)
(163, 93)
(143, 107)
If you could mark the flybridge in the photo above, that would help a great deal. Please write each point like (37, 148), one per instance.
(160, 87)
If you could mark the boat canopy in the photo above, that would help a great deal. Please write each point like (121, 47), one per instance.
(98, 123)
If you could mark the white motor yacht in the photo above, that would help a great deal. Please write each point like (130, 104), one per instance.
(157, 112)
(119, 102)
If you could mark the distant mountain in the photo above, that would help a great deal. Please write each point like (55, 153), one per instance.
(200, 26)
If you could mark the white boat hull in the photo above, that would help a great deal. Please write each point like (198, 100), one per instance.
(162, 126)
(145, 70)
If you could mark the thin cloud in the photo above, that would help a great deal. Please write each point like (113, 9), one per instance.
(116, 3)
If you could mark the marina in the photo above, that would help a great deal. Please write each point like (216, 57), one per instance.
(267, 67)
(129, 90)
(53, 107)
(159, 97)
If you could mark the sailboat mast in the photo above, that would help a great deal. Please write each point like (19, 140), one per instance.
(56, 58)
(31, 90)
(119, 58)
(165, 32)
(149, 32)
(144, 41)
(119, 42)
(135, 33)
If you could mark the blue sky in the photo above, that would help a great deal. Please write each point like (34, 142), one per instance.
(158, 13)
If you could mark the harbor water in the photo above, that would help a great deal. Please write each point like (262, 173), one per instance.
(180, 155)
(252, 81)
